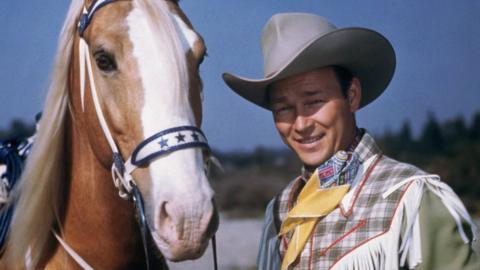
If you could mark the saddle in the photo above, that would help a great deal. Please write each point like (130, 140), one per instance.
(13, 153)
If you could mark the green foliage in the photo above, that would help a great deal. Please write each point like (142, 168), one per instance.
(450, 149)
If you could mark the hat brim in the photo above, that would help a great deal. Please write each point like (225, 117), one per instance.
(367, 54)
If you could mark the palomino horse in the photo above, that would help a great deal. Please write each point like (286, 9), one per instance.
(125, 84)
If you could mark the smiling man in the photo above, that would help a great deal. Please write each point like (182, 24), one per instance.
(351, 207)
(314, 114)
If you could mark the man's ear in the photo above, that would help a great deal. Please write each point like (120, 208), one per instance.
(354, 94)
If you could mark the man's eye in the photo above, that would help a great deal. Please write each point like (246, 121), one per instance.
(314, 102)
(282, 109)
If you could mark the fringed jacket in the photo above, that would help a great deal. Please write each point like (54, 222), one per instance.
(395, 216)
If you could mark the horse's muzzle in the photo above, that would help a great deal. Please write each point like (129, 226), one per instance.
(182, 230)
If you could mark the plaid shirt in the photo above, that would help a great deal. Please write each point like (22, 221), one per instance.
(365, 215)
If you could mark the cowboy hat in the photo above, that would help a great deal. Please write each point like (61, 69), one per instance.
(293, 43)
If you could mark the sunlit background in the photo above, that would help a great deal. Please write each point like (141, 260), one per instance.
(429, 114)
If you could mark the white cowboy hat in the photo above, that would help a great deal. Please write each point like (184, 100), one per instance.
(293, 43)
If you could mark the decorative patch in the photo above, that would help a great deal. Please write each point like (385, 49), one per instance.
(325, 173)
(338, 170)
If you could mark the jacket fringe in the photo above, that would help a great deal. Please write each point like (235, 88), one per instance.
(386, 251)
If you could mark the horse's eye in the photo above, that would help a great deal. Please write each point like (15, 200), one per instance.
(105, 61)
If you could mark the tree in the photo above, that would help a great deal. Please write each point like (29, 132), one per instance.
(455, 130)
(475, 128)
(432, 139)
(405, 136)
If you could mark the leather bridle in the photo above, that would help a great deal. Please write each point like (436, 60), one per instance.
(157, 145)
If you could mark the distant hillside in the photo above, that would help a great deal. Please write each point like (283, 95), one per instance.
(450, 149)
(250, 179)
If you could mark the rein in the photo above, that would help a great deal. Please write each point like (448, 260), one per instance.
(156, 146)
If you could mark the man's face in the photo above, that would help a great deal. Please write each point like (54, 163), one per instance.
(313, 116)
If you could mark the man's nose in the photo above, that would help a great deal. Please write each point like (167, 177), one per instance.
(302, 123)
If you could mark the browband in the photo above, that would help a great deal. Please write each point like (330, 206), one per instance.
(87, 14)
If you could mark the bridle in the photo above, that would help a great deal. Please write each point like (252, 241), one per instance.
(155, 146)
(151, 148)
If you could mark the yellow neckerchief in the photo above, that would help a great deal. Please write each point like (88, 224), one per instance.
(312, 203)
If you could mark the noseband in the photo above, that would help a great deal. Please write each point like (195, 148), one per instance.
(160, 144)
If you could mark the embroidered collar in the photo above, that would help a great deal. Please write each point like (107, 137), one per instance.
(333, 166)
(339, 170)
(363, 146)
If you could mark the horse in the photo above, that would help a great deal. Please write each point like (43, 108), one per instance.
(125, 101)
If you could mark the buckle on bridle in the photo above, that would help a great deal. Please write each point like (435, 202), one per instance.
(122, 181)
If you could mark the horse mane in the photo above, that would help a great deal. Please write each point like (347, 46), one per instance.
(40, 191)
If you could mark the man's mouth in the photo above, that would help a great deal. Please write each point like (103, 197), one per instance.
(310, 140)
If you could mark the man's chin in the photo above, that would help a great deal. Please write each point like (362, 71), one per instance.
(311, 163)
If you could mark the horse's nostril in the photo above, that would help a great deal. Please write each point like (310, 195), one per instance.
(163, 212)
(164, 219)
(168, 222)
(184, 228)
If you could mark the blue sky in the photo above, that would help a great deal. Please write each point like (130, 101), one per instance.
(437, 44)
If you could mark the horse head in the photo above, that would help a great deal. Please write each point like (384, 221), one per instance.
(145, 58)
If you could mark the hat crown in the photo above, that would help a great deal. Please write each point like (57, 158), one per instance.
(286, 34)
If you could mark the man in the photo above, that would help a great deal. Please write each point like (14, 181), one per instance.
(352, 207)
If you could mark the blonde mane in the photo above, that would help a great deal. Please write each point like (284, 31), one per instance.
(40, 191)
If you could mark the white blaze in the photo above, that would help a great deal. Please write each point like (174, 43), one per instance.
(178, 173)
